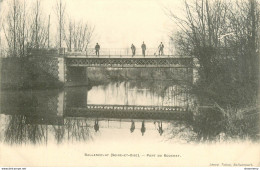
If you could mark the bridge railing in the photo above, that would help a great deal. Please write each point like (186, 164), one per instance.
(136, 107)
(117, 52)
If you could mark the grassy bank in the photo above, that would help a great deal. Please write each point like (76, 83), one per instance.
(218, 124)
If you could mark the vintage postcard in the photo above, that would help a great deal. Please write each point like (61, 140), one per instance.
(170, 83)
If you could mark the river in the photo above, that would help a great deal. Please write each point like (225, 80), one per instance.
(39, 116)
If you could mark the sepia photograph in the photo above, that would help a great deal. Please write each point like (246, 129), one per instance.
(126, 83)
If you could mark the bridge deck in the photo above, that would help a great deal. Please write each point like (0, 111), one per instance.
(130, 62)
(136, 107)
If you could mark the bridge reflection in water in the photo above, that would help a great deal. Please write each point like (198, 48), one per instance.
(71, 114)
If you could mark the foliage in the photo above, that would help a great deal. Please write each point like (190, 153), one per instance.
(224, 37)
(22, 32)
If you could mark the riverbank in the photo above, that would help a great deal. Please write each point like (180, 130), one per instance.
(21, 74)
(233, 115)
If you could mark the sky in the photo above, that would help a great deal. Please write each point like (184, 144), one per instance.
(119, 23)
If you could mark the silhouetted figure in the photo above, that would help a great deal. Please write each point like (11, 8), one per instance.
(133, 50)
(143, 49)
(143, 128)
(97, 48)
(132, 126)
(161, 46)
(160, 129)
(96, 126)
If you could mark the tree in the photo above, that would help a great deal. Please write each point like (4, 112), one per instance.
(14, 28)
(200, 33)
(22, 32)
(60, 12)
(38, 29)
(78, 35)
(224, 37)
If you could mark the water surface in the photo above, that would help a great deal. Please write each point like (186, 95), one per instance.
(38, 116)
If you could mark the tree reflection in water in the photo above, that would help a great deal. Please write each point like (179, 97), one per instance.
(78, 129)
(182, 131)
(59, 132)
(212, 125)
(18, 132)
(206, 125)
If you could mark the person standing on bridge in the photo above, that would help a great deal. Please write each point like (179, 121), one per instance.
(133, 50)
(161, 46)
(97, 48)
(143, 49)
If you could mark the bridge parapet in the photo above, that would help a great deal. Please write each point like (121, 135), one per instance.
(130, 112)
(131, 62)
(103, 53)
(136, 108)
